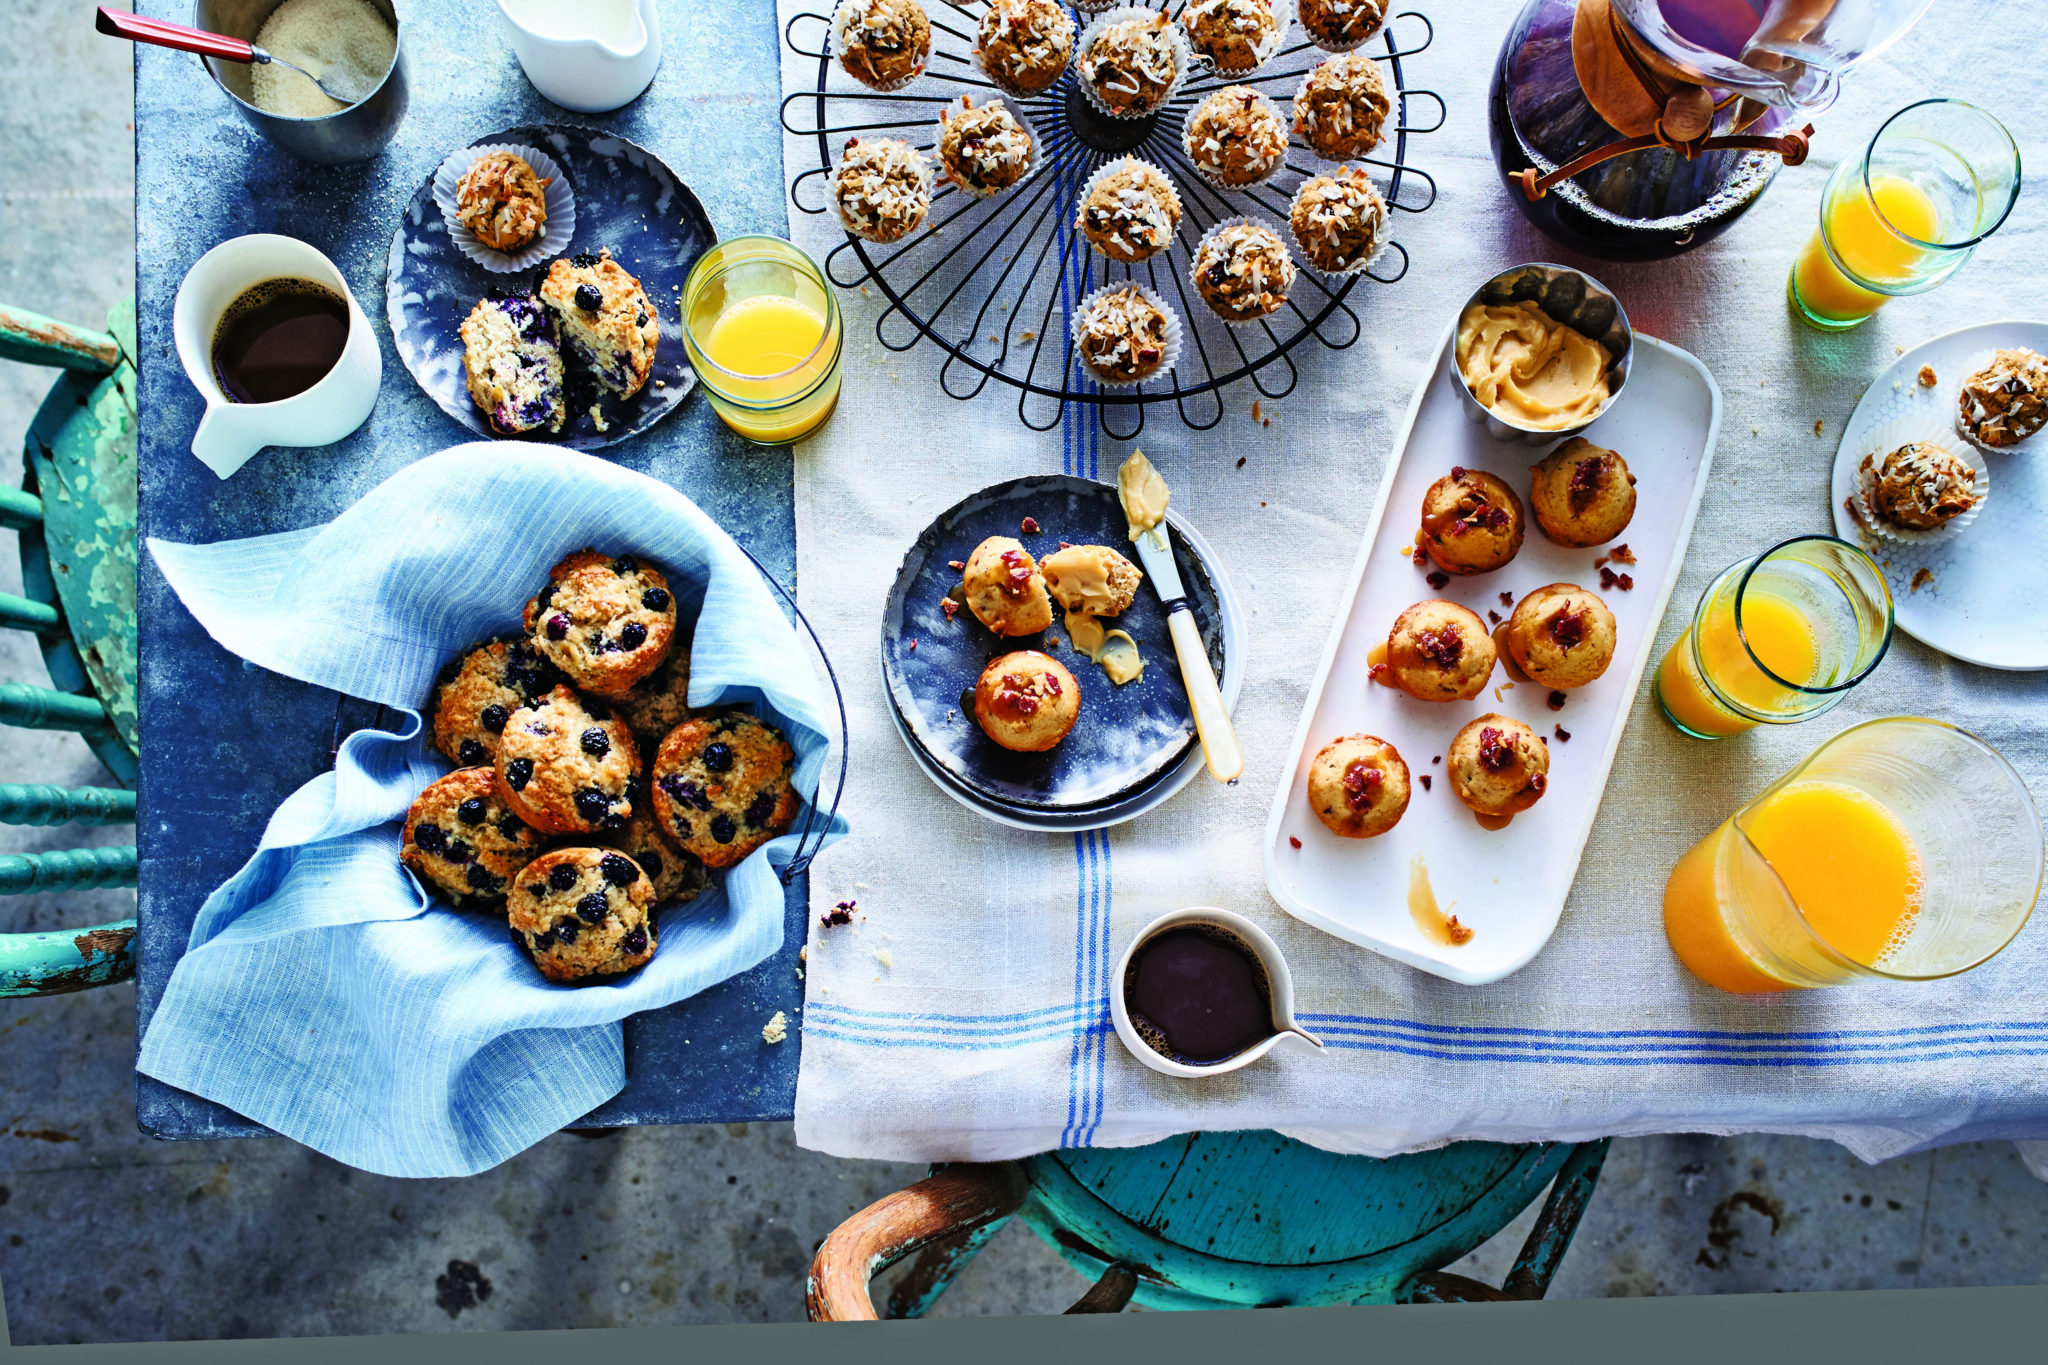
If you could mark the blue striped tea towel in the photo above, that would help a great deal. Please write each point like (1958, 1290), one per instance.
(321, 993)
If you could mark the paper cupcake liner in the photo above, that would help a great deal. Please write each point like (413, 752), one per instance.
(839, 214)
(832, 45)
(1930, 428)
(1031, 166)
(1378, 29)
(1187, 146)
(1283, 10)
(1196, 255)
(1379, 238)
(1094, 6)
(1954, 399)
(1088, 188)
(1182, 59)
(559, 195)
(1167, 361)
(1018, 91)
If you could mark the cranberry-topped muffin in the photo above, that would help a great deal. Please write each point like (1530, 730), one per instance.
(463, 841)
(605, 622)
(512, 365)
(1583, 494)
(1440, 651)
(1005, 588)
(676, 876)
(567, 766)
(1498, 766)
(722, 786)
(607, 325)
(1026, 701)
(1358, 786)
(1561, 636)
(1472, 522)
(583, 913)
(478, 692)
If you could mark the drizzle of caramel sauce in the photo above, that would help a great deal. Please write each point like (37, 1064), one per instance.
(1507, 660)
(1492, 821)
(1437, 925)
(1376, 665)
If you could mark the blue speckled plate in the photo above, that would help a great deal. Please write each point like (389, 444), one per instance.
(626, 199)
(1126, 738)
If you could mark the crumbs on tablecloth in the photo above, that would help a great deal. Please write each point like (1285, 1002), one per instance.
(842, 913)
(1817, 425)
(1240, 462)
(776, 1029)
(1928, 378)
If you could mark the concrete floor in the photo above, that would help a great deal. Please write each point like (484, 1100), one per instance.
(106, 1235)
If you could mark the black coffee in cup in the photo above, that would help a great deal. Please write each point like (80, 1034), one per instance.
(278, 338)
(1198, 994)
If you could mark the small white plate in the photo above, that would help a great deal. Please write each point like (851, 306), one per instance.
(1985, 599)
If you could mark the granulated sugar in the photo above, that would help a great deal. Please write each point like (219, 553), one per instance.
(347, 39)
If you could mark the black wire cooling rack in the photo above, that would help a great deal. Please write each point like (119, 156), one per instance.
(989, 281)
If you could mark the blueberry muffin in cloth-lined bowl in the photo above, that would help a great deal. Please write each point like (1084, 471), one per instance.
(567, 766)
(606, 623)
(721, 786)
(676, 876)
(464, 842)
(478, 692)
(583, 914)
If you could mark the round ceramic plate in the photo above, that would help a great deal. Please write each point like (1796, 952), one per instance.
(627, 200)
(1128, 737)
(1981, 594)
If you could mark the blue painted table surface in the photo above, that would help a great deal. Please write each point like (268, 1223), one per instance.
(224, 742)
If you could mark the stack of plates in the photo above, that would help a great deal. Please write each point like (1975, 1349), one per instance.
(1133, 747)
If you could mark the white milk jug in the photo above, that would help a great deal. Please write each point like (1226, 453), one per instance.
(586, 55)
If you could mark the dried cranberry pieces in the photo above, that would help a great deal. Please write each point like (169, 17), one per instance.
(593, 907)
(1555, 701)
(562, 876)
(518, 773)
(596, 742)
(1362, 784)
(1292, 841)
(1561, 732)
(1587, 476)
(619, 871)
(1441, 647)
(1438, 580)
(1568, 627)
(1495, 755)
(1030, 526)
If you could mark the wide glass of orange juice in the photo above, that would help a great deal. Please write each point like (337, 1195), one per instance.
(1938, 178)
(1777, 638)
(1903, 849)
(762, 330)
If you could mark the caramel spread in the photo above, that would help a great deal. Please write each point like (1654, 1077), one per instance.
(1437, 925)
(1085, 633)
(1529, 368)
(1119, 658)
(1079, 577)
(1142, 492)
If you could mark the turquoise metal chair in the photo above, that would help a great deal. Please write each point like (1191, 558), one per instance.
(75, 518)
(1223, 1220)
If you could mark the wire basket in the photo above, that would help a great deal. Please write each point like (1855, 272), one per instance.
(991, 281)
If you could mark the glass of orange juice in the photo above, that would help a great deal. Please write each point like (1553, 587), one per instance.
(1899, 218)
(763, 332)
(1903, 850)
(1777, 638)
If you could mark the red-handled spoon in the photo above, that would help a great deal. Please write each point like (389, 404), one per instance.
(163, 33)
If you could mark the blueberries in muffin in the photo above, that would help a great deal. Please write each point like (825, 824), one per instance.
(494, 717)
(625, 564)
(635, 941)
(632, 635)
(759, 809)
(472, 754)
(596, 743)
(589, 297)
(592, 804)
(510, 826)
(471, 812)
(482, 879)
(558, 627)
(612, 823)
(518, 773)
(722, 828)
(432, 838)
(456, 852)
(718, 757)
(583, 260)
(654, 599)
(565, 931)
(561, 876)
(593, 907)
(619, 871)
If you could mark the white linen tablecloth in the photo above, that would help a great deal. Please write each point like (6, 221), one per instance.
(964, 1014)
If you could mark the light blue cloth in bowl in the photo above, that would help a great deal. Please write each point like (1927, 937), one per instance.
(321, 993)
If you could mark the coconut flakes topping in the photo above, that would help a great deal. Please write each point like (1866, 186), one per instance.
(882, 187)
(1339, 219)
(1237, 134)
(984, 149)
(1025, 42)
(1132, 64)
(1132, 212)
(1243, 270)
(1341, 107)
(1123, 334)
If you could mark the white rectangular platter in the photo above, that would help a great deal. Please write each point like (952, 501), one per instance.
(1508, 886)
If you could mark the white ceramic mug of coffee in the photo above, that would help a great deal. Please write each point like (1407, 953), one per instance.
(339, 402)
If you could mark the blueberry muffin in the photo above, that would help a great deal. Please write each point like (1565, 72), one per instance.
(606, 623)
(659, 702)
(512, 364)
(566, 766)
(722, 786)
(1583, 494)
(1358, 786)
(881, 43)
(1026, 701)
(1006, 589)
(1498, 766)
(676, 876)
(583, 913)
(478, 692)
(1561, 636)
(1472, 522)
(502, 200)
(1440, 651)
(607, 325)
(463, 841)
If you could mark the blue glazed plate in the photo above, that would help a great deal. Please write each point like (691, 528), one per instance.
(1127, 738)
(626, 199)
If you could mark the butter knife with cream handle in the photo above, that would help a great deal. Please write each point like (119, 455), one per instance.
(1143, 495)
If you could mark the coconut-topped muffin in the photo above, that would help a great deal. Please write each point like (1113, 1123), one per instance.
(1919, 487)
(882, 44)
(1236, 36)
(1235, 137)
(881, 188)
(502, 200)
(2005, 402)
(1341, 107)
(1339, 221)
(1129, 211)
(1024, 45)
(1129, 66)
(984, 149)
(1123, 334)
(1340, 25)
(1242, 270)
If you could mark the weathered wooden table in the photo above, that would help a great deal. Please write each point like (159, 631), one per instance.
(223, 742)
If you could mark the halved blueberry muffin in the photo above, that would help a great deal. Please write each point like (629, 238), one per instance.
(721, 786)
(567, 766)
(583, 913)
(478, 691)
(606, 623)
(607, 325)
(512, 362)
(463, 841)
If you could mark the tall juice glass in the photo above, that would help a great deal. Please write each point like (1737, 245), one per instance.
(1899, 218)
(763, 332)
(1776, 639)
(1901, 850)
